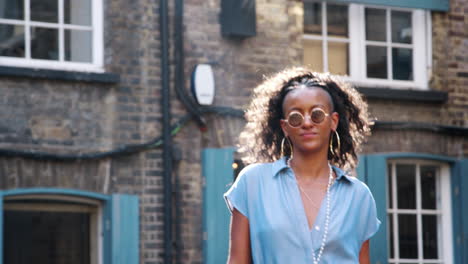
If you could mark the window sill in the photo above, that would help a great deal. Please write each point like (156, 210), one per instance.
(109, 78)
(435, 97)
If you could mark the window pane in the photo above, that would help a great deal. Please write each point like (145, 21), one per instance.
(44, 43)
(375, 24)
(44, 10)
(12, 9)
(390, 186)
(78, 45)
(390, 235)
(11, 40)
(78, 12)
(46, 237)
(406, 186)
(407, 236)
(402, 64)
(430, 247)
(313, 54)
(428, 187)
(312, 18)
(338, 58)
(376, 62)
(337, 17)
(401, 27)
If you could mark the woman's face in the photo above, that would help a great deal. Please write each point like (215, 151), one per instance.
(309, 137)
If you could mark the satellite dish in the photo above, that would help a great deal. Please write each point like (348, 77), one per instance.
(203, 86)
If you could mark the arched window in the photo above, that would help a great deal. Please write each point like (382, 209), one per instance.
(42, 225)
(419, 200)
(52, 229)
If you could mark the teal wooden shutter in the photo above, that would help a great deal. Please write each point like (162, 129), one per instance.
(436, 5)
(124, 229)
(217, 175)
(376, 175)
(361, 168)
(460, 211)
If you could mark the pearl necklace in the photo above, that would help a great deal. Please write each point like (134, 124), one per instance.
(327, 215)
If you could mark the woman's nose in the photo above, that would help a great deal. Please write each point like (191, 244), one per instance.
(308, 121)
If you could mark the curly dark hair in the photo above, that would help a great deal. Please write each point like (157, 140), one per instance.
(260, 141)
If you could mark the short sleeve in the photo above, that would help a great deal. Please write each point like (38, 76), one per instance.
(236, 196)
(369, 221)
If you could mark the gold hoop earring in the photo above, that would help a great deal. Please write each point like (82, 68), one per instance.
(291, 149)
(290, 146)
(282, 147)
(331, 143)
(339, 141)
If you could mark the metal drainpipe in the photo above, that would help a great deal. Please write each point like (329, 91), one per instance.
(167, 141)
(191, 106)
(179, 83)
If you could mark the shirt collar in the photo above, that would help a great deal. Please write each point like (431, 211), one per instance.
(281, 165)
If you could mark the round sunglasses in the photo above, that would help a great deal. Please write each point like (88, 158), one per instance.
(296, 119)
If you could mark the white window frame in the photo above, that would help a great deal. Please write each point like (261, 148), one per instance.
(443, 211)
(95, 230)
(325, 39)
(421, 45)
(97, 64)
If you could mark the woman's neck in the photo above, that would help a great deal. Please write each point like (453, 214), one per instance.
(310, 167)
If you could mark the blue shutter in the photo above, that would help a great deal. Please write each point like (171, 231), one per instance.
(361, 168)
(460, 211)
(124, 229)
(376, 175)
(437, 5)
(217, 175)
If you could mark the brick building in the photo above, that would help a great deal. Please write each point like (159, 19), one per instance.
(92, 91)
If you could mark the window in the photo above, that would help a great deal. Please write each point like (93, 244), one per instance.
(51, 229)
(54, 34)
(326, 39)
(371, 45)
(48, 225)
(447, 176)
(419, 222)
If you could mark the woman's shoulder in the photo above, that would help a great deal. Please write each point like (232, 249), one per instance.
(356, 184)
(253, 171)
(361, 189)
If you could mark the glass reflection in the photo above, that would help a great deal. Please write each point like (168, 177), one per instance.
(407, 236)
(428, 187)
(312, 18)
(12, 9)
(375, 24)
(12, 41)
(376, 62)
(401, 27)
(44, 10)
(77, 12)
(406, 182)
(338, 58)
(337, 20)
(390, 235)
(313, 54)
(390, 186)
(430, 245)
(402, 64)
(46, 236)
(44, 43)
(78, 45)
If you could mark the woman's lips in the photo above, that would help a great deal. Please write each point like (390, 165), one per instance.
(308, 135)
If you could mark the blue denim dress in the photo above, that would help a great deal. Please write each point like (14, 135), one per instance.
(268, 195)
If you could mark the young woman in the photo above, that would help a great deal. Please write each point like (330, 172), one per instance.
(295, 203)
